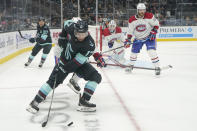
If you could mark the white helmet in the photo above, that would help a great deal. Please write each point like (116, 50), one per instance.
(76, 19)
(141, 6)
(112, 25)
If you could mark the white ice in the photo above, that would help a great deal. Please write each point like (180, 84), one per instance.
(125, 102)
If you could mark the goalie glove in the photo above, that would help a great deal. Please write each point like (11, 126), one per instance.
(99, 59)
(32, 40)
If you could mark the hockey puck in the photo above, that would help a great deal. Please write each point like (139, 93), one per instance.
(69, 124)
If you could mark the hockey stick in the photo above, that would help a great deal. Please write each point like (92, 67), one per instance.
(137, 67)
(112, 49)
(45, 123)
(22, 35)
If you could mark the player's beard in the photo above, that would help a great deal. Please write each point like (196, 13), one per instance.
(141, 14)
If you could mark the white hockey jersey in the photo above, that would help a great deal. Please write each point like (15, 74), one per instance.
(140, 28)
(112, 37)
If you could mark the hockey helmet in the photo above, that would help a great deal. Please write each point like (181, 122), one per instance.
(141, 6)
(81, 29)
(41, 19)
(75, 19)
(141, 9)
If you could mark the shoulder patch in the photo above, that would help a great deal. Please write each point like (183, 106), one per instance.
(118, 30)
(106, 32)
(132, 18)
(148, 15)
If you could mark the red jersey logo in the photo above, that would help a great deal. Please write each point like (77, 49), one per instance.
(141, 28)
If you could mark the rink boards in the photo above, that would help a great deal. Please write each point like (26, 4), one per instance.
(11, 44)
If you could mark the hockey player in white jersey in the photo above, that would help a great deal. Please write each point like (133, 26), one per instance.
(114, 38)
(142, 30)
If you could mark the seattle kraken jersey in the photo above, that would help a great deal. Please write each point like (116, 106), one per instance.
(44, 34)
(72, 48)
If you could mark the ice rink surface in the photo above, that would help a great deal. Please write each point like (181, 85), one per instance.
(125, 102)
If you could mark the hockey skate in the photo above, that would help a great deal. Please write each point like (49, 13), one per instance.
(74, 86)
(129, 69)
(157, 71)
(41, 63)
(33, 107)
(85, 106)
(29, 62)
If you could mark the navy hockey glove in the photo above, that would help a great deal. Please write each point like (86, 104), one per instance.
(153, 33)
(40, 40)
(99, 59)
(32, 40)
(110, 44)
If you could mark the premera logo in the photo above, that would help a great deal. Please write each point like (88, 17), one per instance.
(172, 30)
(189, 29)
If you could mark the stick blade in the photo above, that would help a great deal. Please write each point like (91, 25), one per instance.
(44, 124)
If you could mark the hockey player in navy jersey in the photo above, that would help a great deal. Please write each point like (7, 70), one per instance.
(77, 46)
(43, 41)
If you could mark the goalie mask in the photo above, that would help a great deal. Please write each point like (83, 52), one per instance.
(81, 30)
(141, 9)
(112, 26)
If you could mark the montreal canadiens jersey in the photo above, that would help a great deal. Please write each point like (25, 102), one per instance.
(140, 28)
(115, 36)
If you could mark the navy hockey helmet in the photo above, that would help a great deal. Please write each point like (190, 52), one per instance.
(81, 26)
(41, 19)
(81, 30)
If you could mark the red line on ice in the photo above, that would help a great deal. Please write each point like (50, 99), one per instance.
(133, 121)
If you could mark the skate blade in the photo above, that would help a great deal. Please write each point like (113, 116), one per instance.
(31, 110)
(86, 109)
(71, 87)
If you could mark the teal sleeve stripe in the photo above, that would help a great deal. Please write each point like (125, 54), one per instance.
(31, 57)
(81, 58)
(61, 62)
(46, 44)
(45, 89)
(44, 56)
(44, 37)
(91, 85)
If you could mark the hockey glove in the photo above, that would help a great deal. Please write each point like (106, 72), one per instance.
(127, 42)
(99, 59)
(40, 40)
(110, 44)
(32, 40)
(153, 33)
